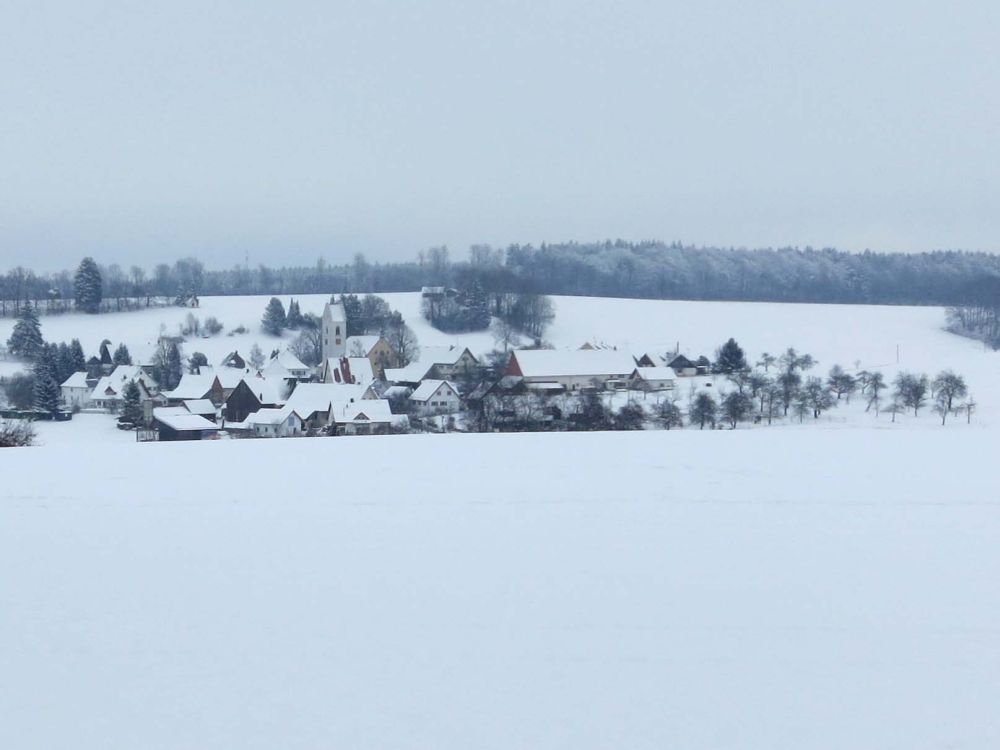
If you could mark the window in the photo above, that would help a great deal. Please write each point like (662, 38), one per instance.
(338, 332)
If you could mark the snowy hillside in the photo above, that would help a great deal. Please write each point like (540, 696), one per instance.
(834, 334)
(746, 589)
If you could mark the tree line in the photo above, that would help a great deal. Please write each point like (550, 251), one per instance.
(653, 269)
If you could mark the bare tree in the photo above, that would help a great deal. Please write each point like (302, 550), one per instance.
(256, 356)
(669, 415)
(911, 390)
(505, 334)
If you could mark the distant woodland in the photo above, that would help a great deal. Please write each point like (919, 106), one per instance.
(653, 270)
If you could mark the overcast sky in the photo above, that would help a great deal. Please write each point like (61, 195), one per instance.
(289, 130)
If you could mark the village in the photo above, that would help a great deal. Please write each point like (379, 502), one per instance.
(361, 389)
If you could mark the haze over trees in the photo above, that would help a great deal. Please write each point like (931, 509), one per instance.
(969, 282)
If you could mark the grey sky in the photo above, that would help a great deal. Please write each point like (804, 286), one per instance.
(144, 131)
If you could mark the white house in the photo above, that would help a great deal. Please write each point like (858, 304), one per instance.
(334, 330)
(365, 417)
(652, 379)
(436, 397)
(107, 394)
(283, 422)
(570, 369)
(290, 364)
(75, 391)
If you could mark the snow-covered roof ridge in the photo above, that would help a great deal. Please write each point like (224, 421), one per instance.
(182, 422)
(428, 388)
(76, 380)
(535, 363)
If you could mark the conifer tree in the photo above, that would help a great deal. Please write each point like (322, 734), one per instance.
(26, 339)
(274, 321)
(175, 369)
(47, 394)
(78, 359)
(730, 358)
(88, 287)
(64, 362)
(121, 356)
(294, 318)
(132, 403)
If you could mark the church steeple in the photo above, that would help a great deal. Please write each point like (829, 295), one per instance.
(334, 330)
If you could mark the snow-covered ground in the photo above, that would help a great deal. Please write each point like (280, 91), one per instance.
(759, 588)
(746, 589)
(849, 335)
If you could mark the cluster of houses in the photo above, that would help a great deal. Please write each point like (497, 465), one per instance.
(355, 390)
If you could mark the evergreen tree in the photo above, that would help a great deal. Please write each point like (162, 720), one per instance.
(122, 356)
(78, 359)
(174, 369)
(47, 363)
(294, 318)
(88, 286)
(730, 358)
(353, 312)
(274, 317)
(47, 394)
(26, 339)
(132, 403)
(479, 308)
(64, 362)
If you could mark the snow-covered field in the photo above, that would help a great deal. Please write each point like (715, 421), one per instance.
(746, 589)
(850, 335)
(773, 588)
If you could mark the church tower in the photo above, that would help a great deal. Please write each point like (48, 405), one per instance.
(334, 330)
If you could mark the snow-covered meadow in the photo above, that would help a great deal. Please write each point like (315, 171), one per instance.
(775, 588)
(744, 589)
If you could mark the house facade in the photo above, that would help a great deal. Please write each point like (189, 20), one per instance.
(76, 391)
(570, 370)
(433, 397)
(375, 348)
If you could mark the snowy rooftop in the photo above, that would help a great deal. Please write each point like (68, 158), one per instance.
(654, 373)
(289, 361)
(270, 390)
(371, 410)
(200, 406)
(182, 422)
(428, 388)
(551, 363)
(76, 380)
(192, 387)
(310, 398)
